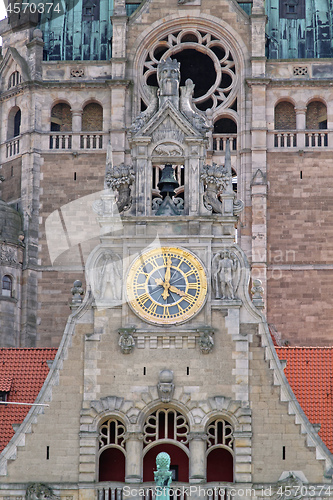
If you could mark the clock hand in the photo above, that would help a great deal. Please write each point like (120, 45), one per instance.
(166, 287)
(176, 290)
(168, 270)
(159, 281)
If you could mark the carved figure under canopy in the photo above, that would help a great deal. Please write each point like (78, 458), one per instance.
(107, 277)
(224, 268)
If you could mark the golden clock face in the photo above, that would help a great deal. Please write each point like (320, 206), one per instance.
(166, 286)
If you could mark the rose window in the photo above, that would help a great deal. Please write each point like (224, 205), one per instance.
(204, 58)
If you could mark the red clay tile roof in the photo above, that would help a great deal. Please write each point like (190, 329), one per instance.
(5, 383)
(309, 371)
(22, 373)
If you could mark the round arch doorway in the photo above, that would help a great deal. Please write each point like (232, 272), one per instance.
(179, 462)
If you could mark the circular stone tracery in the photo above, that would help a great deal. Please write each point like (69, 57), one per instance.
(215, 82)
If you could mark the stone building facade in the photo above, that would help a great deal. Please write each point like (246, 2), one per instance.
(66, 94)
(125, 177)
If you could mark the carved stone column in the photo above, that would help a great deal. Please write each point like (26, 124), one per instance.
(198, 444)
(300, 125)
(76, 120)
(133, 457)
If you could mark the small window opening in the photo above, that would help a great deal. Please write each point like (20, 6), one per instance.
(17, 123)
(144, 370)
(301, 175)
(3, 395)
(47, 453)
(188, 370)
(7, 286)
(75, 176)
(283, 452)
(12, 171)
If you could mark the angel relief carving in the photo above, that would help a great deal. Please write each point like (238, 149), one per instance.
(106, 277)
(225, 274)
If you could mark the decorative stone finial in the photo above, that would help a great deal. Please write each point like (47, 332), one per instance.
(163, 475)
(77, 294)
(257, 294)
(165, 386)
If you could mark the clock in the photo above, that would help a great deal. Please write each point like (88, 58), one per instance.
(166, 286)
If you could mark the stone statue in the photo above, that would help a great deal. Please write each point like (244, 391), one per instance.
(168, 77)
(224, 267)
(126, 340)
(163, 475)
(206, 341)
(165, 386)
(77, 294)
(257, 294)
(108, 278)
(39, 491)
(219, 196)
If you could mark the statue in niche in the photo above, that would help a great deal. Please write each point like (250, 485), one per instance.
(108, 277)
(224, 267)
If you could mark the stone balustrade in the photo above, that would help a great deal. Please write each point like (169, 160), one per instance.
(12, 147)
(178, 491)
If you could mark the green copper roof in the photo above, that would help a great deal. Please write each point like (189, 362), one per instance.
(79, 30)
(298, 29)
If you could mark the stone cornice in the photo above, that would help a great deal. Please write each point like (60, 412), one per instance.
(258, 81)
(34, 85)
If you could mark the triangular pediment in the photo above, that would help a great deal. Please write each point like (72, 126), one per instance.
(13, 61)
(171, 119)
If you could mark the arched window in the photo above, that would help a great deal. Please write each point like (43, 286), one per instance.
(7, 286)
(14, 79)
(166, 430)
(14, 122)
(112, 451)
(220, 452)
(61, 118)
(316, 116)
(224, 128)
(92, 117)
(285, 116)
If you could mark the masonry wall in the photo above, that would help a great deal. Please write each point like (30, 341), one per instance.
(70, 236)
(11, 188)
(300, 246)
(57, 428)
